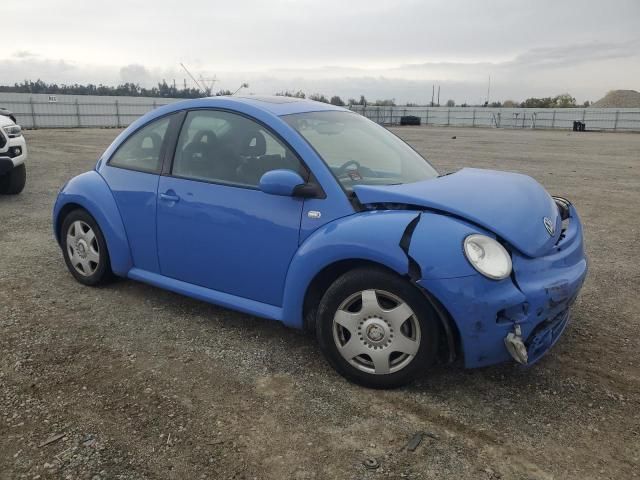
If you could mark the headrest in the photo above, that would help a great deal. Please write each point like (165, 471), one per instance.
(205, 136)
(253, 144)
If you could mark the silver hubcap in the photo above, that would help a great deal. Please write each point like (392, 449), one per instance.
(376, 331)
(82, 248)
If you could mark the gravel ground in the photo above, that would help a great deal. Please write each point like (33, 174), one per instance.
(138, 382)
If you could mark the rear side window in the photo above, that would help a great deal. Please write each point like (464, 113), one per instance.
(142, 150)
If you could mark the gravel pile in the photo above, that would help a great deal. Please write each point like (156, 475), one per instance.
(619, 99)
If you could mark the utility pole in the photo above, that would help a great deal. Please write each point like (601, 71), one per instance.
(192, 77)
(433, 92)
(488, 90)
(438, 95)
(208, 83)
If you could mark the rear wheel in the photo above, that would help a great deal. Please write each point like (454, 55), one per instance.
(376, 329)
(13, 182)
(84, 249)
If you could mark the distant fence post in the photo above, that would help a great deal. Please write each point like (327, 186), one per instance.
(78, 113)
(448, 116)
(473, 120)
(33, 114)
(117, 114)
(426, 121)
(553, 120)
(615, 123)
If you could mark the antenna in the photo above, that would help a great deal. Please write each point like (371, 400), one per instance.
(192, 77)
(244, 85)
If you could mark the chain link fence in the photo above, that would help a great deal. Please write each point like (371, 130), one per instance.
(609, 119)
(73, 111)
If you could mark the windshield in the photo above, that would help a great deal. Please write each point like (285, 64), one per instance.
(359, 151)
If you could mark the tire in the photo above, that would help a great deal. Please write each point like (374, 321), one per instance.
(374, 323)
(13, 182)
(84, 249)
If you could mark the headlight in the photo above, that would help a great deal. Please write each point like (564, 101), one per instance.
(487, 256)
(13, 131)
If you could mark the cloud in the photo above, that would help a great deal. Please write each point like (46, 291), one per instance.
(135, 73)
(575, 54)
(586, 70)
(24, 54)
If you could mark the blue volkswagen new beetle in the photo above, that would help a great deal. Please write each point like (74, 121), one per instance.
(312, 215)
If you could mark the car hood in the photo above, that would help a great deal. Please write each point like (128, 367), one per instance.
(511, 205)
(5, 121)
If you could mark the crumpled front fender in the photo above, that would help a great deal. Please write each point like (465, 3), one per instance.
(91, 192)
(437, 246)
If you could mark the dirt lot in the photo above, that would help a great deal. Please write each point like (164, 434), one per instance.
(143, 383)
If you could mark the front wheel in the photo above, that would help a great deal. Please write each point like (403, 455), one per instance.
(13, 182)
(376, 329)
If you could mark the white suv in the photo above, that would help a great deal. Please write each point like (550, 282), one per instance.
(13, 153)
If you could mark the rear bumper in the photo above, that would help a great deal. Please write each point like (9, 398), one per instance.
(535, 302)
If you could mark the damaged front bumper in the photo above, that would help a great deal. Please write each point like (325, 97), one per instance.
(520, 317)
(540, 341)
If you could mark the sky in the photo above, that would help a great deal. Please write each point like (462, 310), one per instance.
(381, 49)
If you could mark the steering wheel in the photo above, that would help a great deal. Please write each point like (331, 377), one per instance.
(344, 167)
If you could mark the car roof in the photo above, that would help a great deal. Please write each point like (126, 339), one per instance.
(275, 105)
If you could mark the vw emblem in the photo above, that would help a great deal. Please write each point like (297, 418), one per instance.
(548, 224)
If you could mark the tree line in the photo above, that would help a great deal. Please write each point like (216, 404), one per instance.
(165, 90)
(563, 100)
(125, 89)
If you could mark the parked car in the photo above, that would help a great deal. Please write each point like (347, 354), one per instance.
(6, 113)
(314, 216)
(13, 153)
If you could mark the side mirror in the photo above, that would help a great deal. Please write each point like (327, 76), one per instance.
(286, 183)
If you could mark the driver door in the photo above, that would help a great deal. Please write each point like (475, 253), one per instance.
(215, 228)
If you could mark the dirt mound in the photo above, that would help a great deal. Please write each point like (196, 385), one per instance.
(619, 99)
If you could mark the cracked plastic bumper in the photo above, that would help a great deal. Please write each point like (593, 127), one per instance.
(536, 301)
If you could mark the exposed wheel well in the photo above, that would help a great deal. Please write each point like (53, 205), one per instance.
(450, 337)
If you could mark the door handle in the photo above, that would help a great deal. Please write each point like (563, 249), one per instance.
(169, 197)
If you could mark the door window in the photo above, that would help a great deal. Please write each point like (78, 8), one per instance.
(142, 150)
(222, 147)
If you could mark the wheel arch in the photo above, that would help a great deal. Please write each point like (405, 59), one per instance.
(449, 344)
(65, 210)
(90, 192)
(346, 244)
